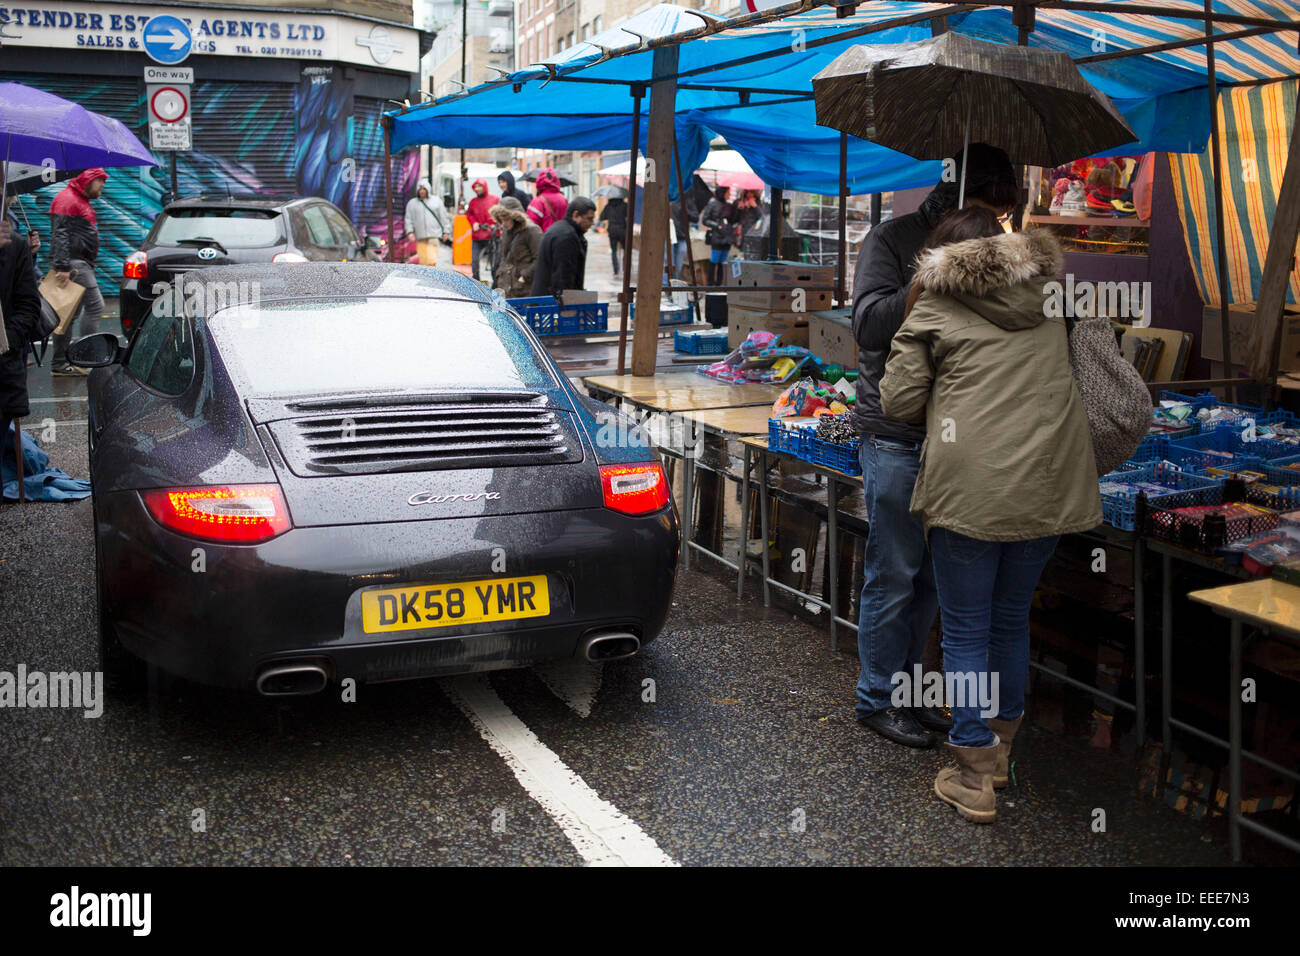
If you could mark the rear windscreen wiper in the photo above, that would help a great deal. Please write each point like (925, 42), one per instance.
(202, 241)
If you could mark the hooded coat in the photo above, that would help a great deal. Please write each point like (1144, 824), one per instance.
(549, 205)
(74, 233)
(512, 190)
(1008, 455)
(427, 218)
(478, 212)
(520, 240)
(615, 213)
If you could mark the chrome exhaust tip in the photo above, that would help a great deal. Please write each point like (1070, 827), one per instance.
(291, 680)
(610, 646)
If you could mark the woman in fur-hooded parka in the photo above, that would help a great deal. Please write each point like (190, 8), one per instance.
(520, 240)
(1008, 455)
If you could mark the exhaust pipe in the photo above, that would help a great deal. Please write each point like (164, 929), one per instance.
(291, 680)
(610, 646)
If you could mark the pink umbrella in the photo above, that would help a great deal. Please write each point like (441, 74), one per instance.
(740, 181)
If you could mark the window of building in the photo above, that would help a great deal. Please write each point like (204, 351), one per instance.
(595, 24)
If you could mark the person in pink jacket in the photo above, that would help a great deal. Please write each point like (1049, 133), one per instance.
(549, 205)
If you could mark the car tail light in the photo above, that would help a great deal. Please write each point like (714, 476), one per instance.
(241, 514)
(288, 257)
(634, 489)
(136, 266)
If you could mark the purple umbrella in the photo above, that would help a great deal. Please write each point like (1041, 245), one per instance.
(36, 126)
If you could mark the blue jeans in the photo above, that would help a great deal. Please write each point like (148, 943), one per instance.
(985, 589)
(898, 602)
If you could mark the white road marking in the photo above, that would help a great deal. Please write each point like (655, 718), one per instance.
(65, 398)
(575, 682)
(599, 831)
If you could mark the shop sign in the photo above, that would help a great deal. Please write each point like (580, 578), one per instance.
(59, 24)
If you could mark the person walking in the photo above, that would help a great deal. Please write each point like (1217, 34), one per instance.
(20, 310)
(716, 220)
(562, 255)
(74, 247)
(549, 205)
(615, 214)
(746, 214)
(1008, 468)
(427, 223)
(682, 228)
(520, 241)
(482, 235)
(898, 601)
(506, 183)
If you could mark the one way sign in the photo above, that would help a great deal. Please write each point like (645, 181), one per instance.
(167, 40)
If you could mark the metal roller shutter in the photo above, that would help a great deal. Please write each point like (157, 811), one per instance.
(243, 138)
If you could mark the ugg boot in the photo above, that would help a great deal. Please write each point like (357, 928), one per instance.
(1006, 731)
(969, 786)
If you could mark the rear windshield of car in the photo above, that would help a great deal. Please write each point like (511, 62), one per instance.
(233, 228)
(324, 346)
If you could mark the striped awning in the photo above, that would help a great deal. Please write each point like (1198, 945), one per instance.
(1257, 122)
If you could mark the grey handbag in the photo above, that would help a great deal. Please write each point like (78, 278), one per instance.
(1115, 398)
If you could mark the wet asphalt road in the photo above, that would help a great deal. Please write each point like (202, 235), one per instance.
(747, 755)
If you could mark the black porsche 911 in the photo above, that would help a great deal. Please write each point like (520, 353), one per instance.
(311, 472)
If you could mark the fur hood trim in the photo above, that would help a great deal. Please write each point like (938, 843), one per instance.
(978, 267)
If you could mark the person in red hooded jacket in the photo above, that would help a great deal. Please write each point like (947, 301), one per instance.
(483, 228)
(549, 205)
(74, 245)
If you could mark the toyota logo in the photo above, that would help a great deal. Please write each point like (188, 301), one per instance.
(208, 253)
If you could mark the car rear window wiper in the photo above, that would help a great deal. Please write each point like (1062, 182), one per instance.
(202, 241)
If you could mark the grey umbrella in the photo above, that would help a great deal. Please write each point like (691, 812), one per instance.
(930, 99)
(610, 192)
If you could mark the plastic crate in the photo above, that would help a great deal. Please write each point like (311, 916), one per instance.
(793, 441)
(1190, 529)
(668, 314)
(1208, 400)
(544, 315)
(840, 457)
(1119, 506)
(1209, 449)
(704, 342)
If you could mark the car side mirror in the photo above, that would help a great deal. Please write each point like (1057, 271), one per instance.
(95, 351)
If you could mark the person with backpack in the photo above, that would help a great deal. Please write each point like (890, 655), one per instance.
(427, 223)
(549, 205)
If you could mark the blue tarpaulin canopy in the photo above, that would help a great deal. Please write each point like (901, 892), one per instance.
(752, 82)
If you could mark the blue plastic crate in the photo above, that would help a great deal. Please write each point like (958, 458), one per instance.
(669, 314)
(704, 342)
(1208, 400)
(793, 441)
(1199, 452)
(1119, 505)
(544, 315)
(840, 457)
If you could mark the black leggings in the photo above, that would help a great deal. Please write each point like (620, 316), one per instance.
(615, 245)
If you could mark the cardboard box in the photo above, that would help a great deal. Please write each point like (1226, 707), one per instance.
(1241, 316)
(830, 336)
(742, 275)
(791, 326)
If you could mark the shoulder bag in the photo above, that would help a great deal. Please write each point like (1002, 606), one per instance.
(1115, 398)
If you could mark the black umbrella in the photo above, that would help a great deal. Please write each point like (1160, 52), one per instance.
(531, 176)
(23, 178)
(931, 98)
(610, 192)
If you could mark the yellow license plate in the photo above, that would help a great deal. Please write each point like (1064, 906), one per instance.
(449, 605)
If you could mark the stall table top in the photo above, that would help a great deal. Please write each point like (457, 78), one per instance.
(746, 420)
(1267, 602)
(681, 391)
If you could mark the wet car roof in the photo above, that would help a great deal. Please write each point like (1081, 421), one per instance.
(303, 280)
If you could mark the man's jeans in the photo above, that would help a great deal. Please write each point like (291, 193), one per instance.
(480, 248)
(898, 602)
(92, 308)
(985, 589)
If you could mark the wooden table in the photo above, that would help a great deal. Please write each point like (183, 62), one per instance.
(1274, 606)
(833, 477)
(678, 391)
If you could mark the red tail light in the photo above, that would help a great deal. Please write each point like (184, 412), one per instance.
(136, 266)
(634, 489)
(241, 514)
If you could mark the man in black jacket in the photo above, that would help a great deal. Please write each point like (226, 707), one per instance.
(562, 257)
(21, 309)
(899, 602)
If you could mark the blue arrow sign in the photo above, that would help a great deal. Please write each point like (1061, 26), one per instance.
(167, 40)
